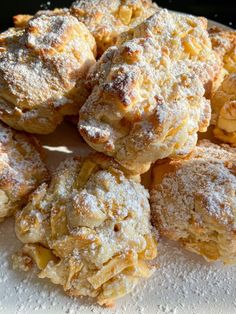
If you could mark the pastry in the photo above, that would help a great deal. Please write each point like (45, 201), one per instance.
(147, 100)
(107, 19)
(21, 169)
(21, 20)
(185, 37)
(224, 110)
(42, 71)
(193, 201)
(224, 44)
(88, 230)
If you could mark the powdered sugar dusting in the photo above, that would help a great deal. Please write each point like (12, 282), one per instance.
(205, 174)
(140, 94)
(40, 66)
(107, 209)
(50, 32)
(194, 201)
(107, 19)
(21, 168)
(182, 284)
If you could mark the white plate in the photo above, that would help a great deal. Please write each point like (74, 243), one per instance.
(183, 284)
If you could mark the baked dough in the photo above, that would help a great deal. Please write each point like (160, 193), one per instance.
(89, 230)
(185, 37)
(224, 110)
(224, 44)
(193, 201)
(21, 169)
(107, 19)
(21, 20)
(147, 99)
(42, 71)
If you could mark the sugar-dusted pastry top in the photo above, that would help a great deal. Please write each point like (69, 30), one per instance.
(224, 110)
(193, 201)
(186, 33)
(21, 169)
(224, 44)
(107, 19)
(21, 20)
(89, 230)
(42, 70)
(147, 99)
(185, 37)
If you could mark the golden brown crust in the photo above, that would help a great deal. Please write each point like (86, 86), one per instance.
(107, 19)
(224, 110)
(185, 37)
(193, 201)
(21, 169)
(42, 70)
(21, 20)
(224, 44)
(89, 230)
(147, 99)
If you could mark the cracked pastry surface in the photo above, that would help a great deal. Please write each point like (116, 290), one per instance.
(21, 20)
(42, 71)
(147, 99)
(107, 19)
(193, 201)
(89, 230)
(224, 110)
(21, 169)
(224, 44)
(185, 37)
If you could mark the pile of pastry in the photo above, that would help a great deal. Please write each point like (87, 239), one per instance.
(141, 83)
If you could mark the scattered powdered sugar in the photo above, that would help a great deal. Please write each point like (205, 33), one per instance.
(222, 41)
(18, 154)
(61, 101)
(50, 31)
(40, 66)
(104, 15)
(182, 284)
(94, 129)
(206, 176)
(194, 201)
(129, 195)
(153, 80)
